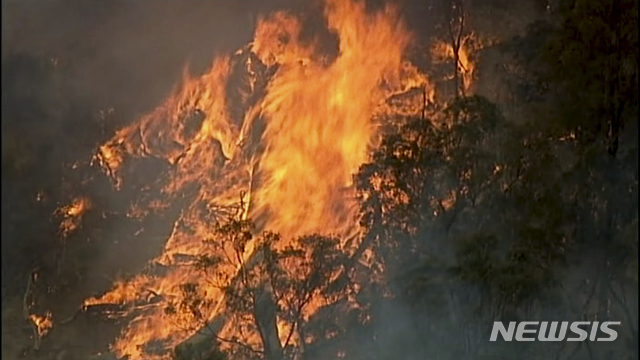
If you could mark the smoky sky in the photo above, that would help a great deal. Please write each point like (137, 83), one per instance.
(128, 52)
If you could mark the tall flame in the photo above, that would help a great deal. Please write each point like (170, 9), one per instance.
(319, 118)
(303, 128)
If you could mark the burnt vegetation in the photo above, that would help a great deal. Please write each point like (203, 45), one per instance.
(479, 210)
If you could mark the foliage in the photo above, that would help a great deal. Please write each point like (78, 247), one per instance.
(583, 62)
(497, 220)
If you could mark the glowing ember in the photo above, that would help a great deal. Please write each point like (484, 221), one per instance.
(72, 215)
(42, 323)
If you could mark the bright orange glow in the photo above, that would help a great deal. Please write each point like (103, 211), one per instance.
(42, 323)
(443, 51)
(72, 215)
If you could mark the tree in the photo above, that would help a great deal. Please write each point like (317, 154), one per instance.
(497, 222)
(267, 290)
(455, 19)
(583, 61)
(428, 173)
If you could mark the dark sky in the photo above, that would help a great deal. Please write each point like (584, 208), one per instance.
(141, 45)
(129, 48)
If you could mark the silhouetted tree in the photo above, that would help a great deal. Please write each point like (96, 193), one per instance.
(268, 286)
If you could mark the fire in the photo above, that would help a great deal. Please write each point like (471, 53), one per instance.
(42, 323)
(319, 120)
(289, 140)
(72, 215)
(442, 51)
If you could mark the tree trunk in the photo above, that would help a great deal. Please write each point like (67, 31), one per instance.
(266, 320)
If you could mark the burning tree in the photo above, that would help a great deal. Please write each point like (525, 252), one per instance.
(290, 139)
(269, 300)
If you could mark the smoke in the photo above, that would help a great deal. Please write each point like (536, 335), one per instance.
(137, 48)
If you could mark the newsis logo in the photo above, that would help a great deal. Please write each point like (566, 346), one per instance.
(526, 330)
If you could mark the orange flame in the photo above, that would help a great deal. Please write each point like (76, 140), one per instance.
(443, 51)
(42, 323)
(292, 151)
(319, 120)
(72, 215)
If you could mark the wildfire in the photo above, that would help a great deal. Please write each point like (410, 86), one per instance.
(289, 139)
(42, 323)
